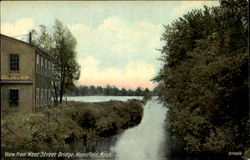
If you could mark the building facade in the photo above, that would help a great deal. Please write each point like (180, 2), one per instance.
(25, 76)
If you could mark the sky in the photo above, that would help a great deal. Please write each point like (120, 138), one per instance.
(117, 42)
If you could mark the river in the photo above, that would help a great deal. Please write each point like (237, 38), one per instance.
(143, 142)
(147, 141)
(101, 98)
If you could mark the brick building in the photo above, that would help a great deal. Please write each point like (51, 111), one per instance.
(25, 82)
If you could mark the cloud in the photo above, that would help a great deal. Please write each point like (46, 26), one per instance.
(117, 36)
(115, 52)
(134, 74)
(118, 52)
(20, 27)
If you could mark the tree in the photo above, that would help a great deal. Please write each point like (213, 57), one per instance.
(108, 90)
(204, 79)
(99, 90)
(130, 92)
(115, 91)
(61, 45)
(138, 91)
(146, 92)
(124, 92)
(92, 90)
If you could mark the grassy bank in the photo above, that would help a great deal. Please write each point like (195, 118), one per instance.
(69, 123)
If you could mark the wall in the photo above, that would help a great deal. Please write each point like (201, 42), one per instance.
(26, 73)
(25, 98)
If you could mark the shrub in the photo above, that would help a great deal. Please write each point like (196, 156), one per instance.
(68, 123)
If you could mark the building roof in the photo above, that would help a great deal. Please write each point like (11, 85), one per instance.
(26, 43)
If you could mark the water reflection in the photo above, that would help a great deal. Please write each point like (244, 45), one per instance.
(96, 149)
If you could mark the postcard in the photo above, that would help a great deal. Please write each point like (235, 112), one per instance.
(124, 80)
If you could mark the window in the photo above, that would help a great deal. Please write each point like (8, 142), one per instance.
(37, 59)
(52, 67)
(37, 96)
(14, 62)
(49, 97)
(41, 100)
(52, 94)
(14, 97)
(38, 63)
(45, 99)
(45, 66)
(41, 65)
(48, 68)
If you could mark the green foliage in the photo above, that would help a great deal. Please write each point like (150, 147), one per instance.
(106, 126)
(204, 79)
(61, 45)
(246, 154)
(86, 118)
(216, 141)
(38, 130)
(68, 124)
(107, 91)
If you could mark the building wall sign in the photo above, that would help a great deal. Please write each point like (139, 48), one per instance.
(15, 77)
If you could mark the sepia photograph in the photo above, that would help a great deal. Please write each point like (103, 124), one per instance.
(125, 80)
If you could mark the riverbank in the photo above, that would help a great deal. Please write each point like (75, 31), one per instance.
(68, 124)
(204, 82)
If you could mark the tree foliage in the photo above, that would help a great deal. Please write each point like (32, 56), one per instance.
(107, 91)
(61, 45)
(204, 79)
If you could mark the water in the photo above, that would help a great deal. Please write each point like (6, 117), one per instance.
(101, 98)
(143, 142)
(146, 141)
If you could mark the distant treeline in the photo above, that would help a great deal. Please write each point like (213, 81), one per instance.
(107, 91)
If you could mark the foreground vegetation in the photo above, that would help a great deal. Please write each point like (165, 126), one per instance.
(68, 123)
(204, 80)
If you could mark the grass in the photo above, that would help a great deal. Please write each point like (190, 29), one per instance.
(68, 123)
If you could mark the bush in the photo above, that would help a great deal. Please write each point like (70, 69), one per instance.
(68, 124)
(86, 119)
(106, 127)
(246, 154)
